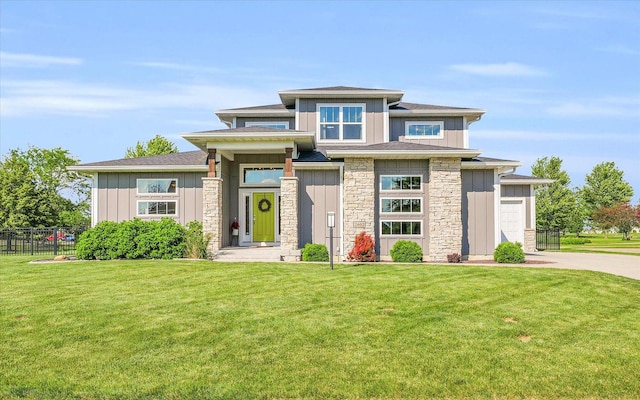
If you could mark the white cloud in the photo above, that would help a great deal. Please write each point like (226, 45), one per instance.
(33, 98)
(620, 49)
(600, 107)
(34, 60)
(504, 69)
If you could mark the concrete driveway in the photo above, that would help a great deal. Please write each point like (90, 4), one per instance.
(615, 264)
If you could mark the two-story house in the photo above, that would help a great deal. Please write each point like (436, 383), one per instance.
(395, 170)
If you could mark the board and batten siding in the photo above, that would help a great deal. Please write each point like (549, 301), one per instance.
(522, 191)
(374, 122)
(402, 167)
(318, 193)
(117, 196)
(478, 215)
(453, 131)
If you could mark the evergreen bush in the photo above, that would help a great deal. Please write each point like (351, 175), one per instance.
(406, 251)
(315, 252)
(132, 239)
(509, 253)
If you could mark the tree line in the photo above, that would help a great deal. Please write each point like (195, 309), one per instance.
(603, 202)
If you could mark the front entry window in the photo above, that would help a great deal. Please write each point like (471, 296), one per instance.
(262, 176)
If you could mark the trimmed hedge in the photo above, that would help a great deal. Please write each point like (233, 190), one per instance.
(132, 239)
(315, 252)
(509, 253)
(406, 251)
(574, 240)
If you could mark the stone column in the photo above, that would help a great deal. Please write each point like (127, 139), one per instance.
(289, 250)
(212, 213)
(529, 245)
(359, 196)
(445, 208)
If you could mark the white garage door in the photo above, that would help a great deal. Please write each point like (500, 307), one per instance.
(512, 220)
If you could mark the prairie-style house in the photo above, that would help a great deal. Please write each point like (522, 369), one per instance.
(393, 169)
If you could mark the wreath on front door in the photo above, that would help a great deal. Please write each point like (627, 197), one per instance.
(264, 205)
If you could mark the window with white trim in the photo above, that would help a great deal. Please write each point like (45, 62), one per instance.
(272, 125)
(401, 183)
(424, 129)
(157, 186)
(260, 175)
(151, 208)
(398, 205)
(337, 122)
(401, 228)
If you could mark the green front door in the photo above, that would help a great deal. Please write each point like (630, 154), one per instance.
(263, 217)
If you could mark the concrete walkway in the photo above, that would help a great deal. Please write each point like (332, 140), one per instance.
(616, 264)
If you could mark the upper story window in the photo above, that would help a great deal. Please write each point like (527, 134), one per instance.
(424, 129)
(272, 125)
(157, 186)
(401, 183)
(337, 122)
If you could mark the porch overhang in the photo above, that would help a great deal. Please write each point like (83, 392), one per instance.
(229, 142)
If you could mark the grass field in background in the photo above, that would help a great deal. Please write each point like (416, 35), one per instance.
(613, 243)
(198, 329)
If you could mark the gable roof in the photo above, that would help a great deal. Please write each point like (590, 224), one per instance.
(183, 161)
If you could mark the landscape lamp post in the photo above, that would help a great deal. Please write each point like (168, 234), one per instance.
(331, 223)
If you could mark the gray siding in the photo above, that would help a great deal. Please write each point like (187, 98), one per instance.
(117, 195)
(520, 191)
(374, 123)
(453, 131)
(240, 121)
(402, 167)
(478, 215)
(318, 193)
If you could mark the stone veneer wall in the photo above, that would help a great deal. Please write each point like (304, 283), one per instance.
(445, 208)
(358, 199)
(212, 213)
(529, 245)
(289, 250)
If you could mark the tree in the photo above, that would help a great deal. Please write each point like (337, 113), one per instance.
(556, 205)
(622, 216)
(36, 189)
(604, 187)
(154, 147)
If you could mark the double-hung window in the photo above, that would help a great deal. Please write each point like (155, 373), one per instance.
(157, 193)
(424, 129)
(337, 122)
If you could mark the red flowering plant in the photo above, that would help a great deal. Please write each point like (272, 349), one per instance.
(364, 249)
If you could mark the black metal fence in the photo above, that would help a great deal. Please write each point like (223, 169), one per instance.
(39, 241)
(548, 239)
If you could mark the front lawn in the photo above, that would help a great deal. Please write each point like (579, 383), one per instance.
(198, 329)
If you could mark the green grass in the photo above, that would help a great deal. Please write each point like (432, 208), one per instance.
(612, 244)
(189, 329)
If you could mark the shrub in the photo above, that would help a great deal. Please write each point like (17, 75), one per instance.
(364, 249)
(132, 239)
(509, 253)
(406, 251)
(196, 242)
(574, 240)
(315, 252)
(454, 258)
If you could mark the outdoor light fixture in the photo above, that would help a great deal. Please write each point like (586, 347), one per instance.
(331, 223)
(331, 219)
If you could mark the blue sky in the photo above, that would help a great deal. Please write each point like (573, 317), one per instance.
(556, 78)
